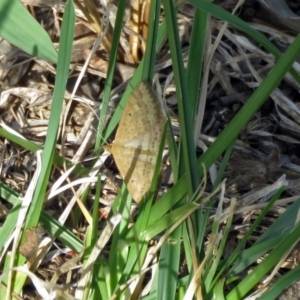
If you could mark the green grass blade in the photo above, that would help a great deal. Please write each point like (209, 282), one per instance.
(170, 253)
(169, 219)
(110, 72)
(213, 264)
(196, 54)
(64, 57)
(150, 53)
(19, 28)
(281, 284)
(207, 211)
(167, 276)
(185, 114)
(118, 256)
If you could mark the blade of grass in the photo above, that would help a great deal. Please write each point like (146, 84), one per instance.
(84, 284)
(207, 211)
(118, 256)
(281, 284)
(150, 54)
(185, 114)
(64, 57)
(19, 28)
(138, 247)
(170, 253)
(195, 58)
(110, 73)
(169, 219)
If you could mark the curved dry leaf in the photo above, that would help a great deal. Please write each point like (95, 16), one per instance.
(284, 15)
